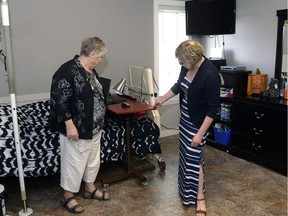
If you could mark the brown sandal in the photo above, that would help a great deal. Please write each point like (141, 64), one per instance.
(199, 211)
(92, 195)
(73, 209)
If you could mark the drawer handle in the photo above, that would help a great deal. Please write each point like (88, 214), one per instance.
(256, 147)
(258, 116)
(257, 132)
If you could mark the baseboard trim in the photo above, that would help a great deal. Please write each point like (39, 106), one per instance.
(24, 99)
(165, 133)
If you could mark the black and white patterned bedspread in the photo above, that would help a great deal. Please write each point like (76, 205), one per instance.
(40, 147)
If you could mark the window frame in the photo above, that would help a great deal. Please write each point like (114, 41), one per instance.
(156, 6)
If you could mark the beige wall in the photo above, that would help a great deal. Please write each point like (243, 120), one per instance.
(45, 33)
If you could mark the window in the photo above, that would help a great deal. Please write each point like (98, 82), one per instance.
(170, 31)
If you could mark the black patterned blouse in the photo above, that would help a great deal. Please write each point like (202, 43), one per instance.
(75, 94)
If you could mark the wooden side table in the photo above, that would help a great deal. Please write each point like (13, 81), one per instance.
(127, 113)
(256, 83)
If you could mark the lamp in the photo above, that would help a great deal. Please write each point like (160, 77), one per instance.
(120, 86)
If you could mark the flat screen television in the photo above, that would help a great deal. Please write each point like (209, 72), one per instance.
(210, 17)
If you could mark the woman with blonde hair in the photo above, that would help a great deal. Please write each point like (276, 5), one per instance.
(198, 87)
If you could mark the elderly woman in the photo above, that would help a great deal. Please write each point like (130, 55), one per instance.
(77, 113)
(199, 88)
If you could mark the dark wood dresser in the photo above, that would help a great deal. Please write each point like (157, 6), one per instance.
(259, 131)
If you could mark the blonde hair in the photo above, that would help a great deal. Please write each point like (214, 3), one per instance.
(189, 52)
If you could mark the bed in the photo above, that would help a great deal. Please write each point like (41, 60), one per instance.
(40, 146)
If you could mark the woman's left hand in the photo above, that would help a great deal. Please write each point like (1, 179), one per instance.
(196, 140)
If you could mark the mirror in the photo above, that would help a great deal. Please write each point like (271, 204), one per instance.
(281, 50)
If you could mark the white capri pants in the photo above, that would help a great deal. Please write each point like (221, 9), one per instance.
(80, 160)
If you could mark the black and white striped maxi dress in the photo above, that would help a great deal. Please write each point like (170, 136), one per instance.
(190, 157)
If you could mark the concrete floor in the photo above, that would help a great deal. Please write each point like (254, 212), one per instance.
(234, 187)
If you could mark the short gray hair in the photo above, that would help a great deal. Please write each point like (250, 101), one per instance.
(93, 44)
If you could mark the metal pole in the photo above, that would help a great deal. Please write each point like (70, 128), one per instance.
(11, 81)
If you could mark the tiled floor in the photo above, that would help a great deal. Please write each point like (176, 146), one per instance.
(234, 187)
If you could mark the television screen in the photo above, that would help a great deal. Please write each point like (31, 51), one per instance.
(210, 17)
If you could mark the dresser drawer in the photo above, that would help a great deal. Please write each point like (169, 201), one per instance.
(256, 82)
(256, 77)
(256, 86)
(267, 151)
(245, 143)
(258, 132)
(271, 117)
(256, 90)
